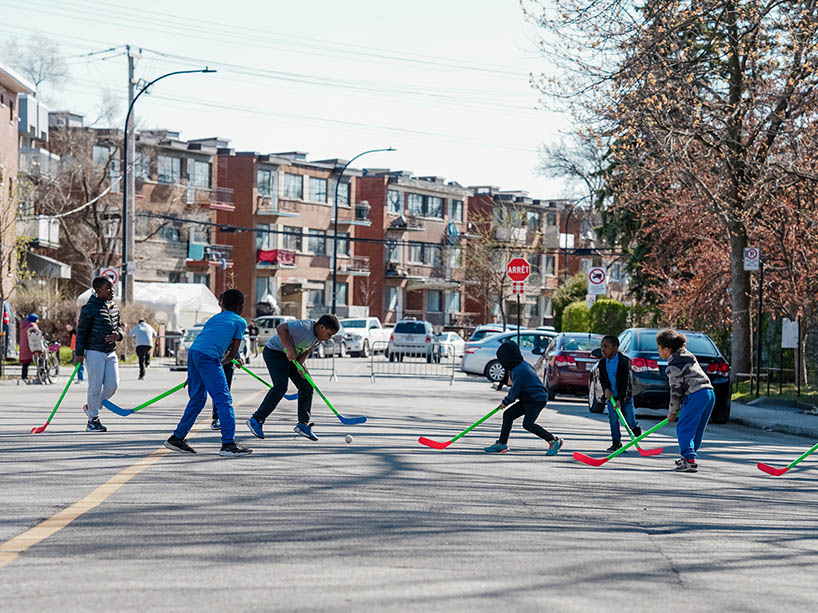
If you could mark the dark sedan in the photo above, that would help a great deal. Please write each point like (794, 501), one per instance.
(650, 386)
(569, 363)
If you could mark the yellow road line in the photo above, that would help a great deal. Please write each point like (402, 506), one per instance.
(11, 549)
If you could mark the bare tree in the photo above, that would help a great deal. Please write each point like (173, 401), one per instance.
(39, 59)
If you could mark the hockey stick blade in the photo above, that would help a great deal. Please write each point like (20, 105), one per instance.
(291, 396)
(116, 409)
(38, 429)
(649, 452)
(352, 421)
(433, 444)
(771, 470)
(586, 459)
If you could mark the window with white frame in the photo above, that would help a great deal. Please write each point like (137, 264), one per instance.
(169, 169)
(264, 239)
(200, 176)
(264, 287)
(293, 186)
(434, 255)
(142, 165)
(434, 301)
(550, 265)
(315, 297)
(416, 204)
(415, 253)
(317, 242)
(343, 243)
(534, 220)
(452, 302)
(548, 309)
(456, 210)
(434, 206)
(343, 193)
(265, 182)
(392, 298)
(551, 219)
(394, 202)
(425, 206)
(341, 296)
(318, 189)
(292, 238)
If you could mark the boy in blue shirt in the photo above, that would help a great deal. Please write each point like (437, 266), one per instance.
(615, 378)
(205, 375)
(527, 389)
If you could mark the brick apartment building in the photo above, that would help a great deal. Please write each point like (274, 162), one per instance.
(416, 253)
(285, 265)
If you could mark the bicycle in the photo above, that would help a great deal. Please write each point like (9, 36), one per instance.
(47, 362)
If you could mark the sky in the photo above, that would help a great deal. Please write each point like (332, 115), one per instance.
(445, 82)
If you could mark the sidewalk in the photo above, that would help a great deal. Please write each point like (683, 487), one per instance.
(775, 418)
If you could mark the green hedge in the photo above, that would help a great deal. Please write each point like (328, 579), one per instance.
(575, 318)
(607, 317)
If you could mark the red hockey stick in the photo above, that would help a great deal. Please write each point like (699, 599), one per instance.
(777, 472)
(642, 452)
(600, 461)
(438, 445)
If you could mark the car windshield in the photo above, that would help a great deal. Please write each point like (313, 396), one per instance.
(191, 334)
(580, 343)
(410, 327)
(697, 344)
(354, 323)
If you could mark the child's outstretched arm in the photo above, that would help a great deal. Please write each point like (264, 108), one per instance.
(513, 391)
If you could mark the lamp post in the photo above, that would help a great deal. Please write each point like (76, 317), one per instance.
(126, 184)
(335, 223)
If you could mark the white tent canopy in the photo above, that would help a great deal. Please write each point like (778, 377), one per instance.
(179, 305)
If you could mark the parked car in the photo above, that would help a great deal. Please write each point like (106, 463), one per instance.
(451, 344)
(480, 358)
(569, 363)
(267, 325)
(484, 330)
(413, 338)
(363, 334)
(336, 345)
(650, 386)
(184, 345)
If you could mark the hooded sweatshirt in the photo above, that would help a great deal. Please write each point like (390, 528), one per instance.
(525, 384)
(685, 377)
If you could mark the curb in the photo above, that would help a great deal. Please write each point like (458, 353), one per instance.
(776, 426)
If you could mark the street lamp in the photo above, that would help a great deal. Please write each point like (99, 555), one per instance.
(335, 234)
(126, 184)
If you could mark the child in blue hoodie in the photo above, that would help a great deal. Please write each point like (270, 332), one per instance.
(530, 396)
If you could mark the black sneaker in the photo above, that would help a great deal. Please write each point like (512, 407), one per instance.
(637, 431)
(215, 425)
(94, 425)
(684, 465)
(175, 443)
(234, 450)
(614, 446)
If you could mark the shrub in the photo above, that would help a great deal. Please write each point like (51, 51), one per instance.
(608, 317)
(573, 290)
(575, 318)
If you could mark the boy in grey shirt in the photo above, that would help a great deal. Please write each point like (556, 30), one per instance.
(294, 341)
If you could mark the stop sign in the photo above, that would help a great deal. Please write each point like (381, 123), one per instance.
(518, 269)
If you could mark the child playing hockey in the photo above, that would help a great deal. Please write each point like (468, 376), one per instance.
(294, 341)
(527, 389)
(691, 396)
(205, 375)
(615, 377)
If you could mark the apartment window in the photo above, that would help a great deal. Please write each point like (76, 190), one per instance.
(318, 189)
(264, 288)
(392, 298)
(292, 238)
(532, 310)
(142, 165)
(293, 186)
(265, 182)
(548, 311)
(170, 233)
(100, 155)
(317, 242)
(551, 219)
(264, 240)
(534, 220)
(425, 206)
(456, 210)
(395, 202)
(394, 253)
(169, 169)
(199, 173)
(452, 302)
(550, 265)
(341, 296)
(416, 253)
(315, 297)
(434, 301)
(415, 204)
(343, 243)
(454, 257)
(434, 207)
(434, 255)
(343, 193)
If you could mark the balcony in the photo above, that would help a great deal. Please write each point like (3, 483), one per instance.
(356, 266)
(275, 258)
(216, 198)
(219, 254)
(43, 231)
(357, 216)
(268, 205)
(408, 223)
(36, 162)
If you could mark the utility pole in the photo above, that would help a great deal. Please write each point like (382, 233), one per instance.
(129, 179)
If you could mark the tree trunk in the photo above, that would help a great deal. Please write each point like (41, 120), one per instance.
(739, 302)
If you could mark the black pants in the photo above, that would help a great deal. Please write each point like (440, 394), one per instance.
(531, 412)
(228, 374)
(24, 374)
(143, 352)
(280, 369)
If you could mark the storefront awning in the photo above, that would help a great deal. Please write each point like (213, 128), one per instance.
(44, 266)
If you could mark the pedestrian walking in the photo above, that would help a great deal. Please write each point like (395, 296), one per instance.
(691, 396)
(531, 397)
(144, 336)
(28, 326)
(252, 330)
(294, 340)
(98, 331)
(615, 378)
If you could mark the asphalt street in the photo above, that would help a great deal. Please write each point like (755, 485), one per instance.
(383, 523)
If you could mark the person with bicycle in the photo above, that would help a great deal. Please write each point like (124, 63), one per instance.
(29, 326)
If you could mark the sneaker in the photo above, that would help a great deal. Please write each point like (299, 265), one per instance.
(94, 425)
(614, 446)
(215, 425)
(255, 427)
(637, 431)
(683, 465)
(175, 443)
(496, 448)
(305, 430)
(554, 446)
(230, 450)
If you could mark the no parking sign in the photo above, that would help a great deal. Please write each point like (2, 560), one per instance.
(597, 282)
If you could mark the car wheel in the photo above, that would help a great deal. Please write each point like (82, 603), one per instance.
(594, 406)
(365, 349)
(721, 412)
(495, 372)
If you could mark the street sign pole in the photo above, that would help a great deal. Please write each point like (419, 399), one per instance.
(519, 320)
(760, 311)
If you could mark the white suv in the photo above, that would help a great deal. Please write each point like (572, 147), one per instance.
(413, 338)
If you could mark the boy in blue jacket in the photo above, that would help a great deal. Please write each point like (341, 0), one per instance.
(205, 375)
(527, 389)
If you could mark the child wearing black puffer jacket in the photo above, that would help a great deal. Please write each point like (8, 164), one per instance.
(528, 397)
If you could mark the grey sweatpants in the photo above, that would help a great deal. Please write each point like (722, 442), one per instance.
(103, 378)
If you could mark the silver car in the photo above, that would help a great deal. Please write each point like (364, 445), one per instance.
(184, 345)
(480, 358)
(413, 338)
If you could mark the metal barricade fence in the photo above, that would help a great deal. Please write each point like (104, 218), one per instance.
(438, 361)
(322, 359)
